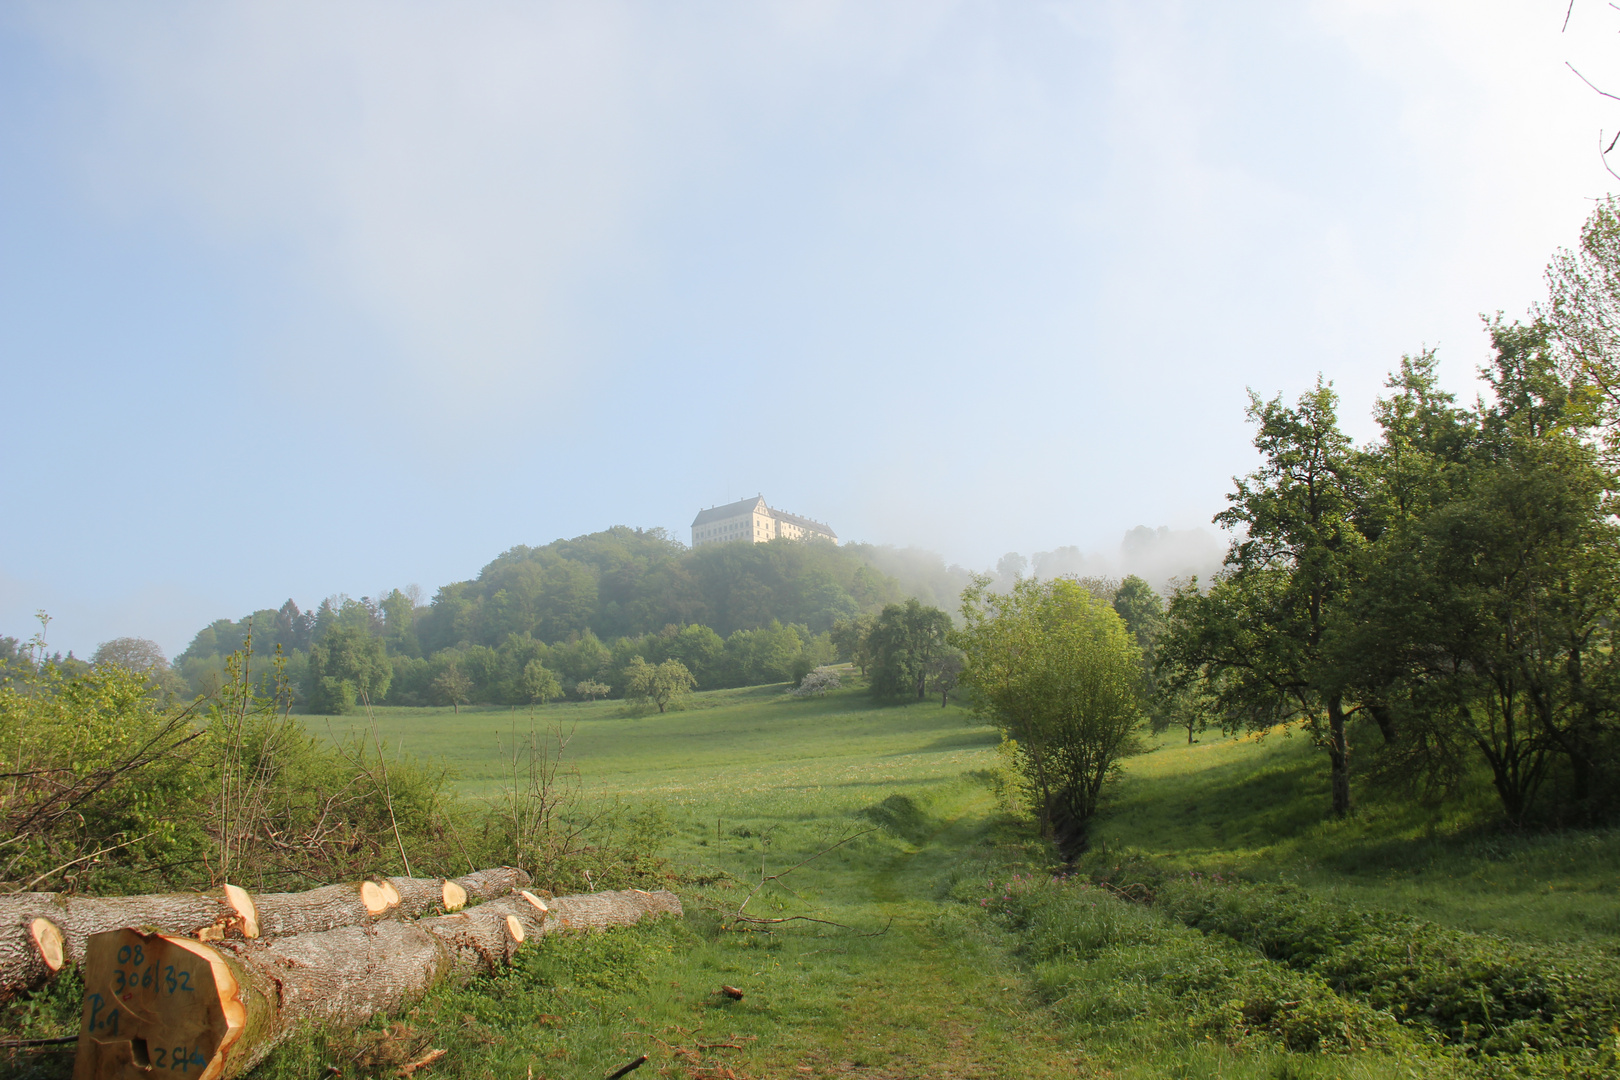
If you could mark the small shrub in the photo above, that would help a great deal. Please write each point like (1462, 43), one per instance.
(816, 683)
(900, 815)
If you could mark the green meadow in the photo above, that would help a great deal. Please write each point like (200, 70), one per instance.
(930, 934)
(725, 745)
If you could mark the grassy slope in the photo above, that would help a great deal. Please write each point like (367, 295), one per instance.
(727, 744)
(916, 982)
(1257, 808)
(910, 986)
(942, 992)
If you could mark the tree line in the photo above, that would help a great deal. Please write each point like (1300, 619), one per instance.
(1453, 586)
(1438, 604)
(582, 610)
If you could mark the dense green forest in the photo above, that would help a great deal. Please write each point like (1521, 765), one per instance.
(734, 614)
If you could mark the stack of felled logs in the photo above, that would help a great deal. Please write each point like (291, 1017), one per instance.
(206, 984)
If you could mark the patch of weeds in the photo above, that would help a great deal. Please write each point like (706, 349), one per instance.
(1099, 961)
(50, 1012)
(1487, 993)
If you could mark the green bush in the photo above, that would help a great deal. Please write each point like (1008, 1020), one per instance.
(1100, 959)
(117, 792)
(1487, 993)
(104, 778)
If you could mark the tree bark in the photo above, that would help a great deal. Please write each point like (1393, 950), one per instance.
(217, 1009)
(1338, 757)
(40, 932)
(593, 911)
(354, 903)
(24, 918)
(1384, 717)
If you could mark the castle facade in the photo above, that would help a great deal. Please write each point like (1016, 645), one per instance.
(755, 522)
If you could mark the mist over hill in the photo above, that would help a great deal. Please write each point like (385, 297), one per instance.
(1162, 557)
(735, 614)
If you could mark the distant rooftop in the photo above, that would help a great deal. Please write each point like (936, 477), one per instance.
(757, 504)
(730, 510)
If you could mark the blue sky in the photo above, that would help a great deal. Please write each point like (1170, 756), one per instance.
(302, 298)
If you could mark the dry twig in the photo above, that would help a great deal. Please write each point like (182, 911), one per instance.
(628, 1069)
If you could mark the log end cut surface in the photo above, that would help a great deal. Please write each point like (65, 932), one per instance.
(454, 896)
(48, 940)
(155, 1006)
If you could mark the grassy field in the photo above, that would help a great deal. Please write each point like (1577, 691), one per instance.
(908, 984)
(933, 936)
(748, 744)
(946, 949)
(1253, 807)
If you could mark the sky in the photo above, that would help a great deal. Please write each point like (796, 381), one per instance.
(311, 297)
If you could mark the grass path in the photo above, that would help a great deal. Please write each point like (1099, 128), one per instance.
(916, 986)
(923, 999)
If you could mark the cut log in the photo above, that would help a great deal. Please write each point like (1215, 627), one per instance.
(327, 908)
(219, 1008)
(40, 932)
(418, 896)
(47, 939)
(592, 911)
(242, 903)
(22, 963)
(493, 883)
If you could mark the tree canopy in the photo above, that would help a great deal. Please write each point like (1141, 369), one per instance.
(905, 644)
(1263, 640)
(1456, 581)
(1057, 671)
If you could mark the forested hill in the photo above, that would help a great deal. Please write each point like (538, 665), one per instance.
(630, 581)
(575, 605)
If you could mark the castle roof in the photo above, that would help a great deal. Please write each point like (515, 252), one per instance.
(755, 505)
(805, 523)
(728, 511)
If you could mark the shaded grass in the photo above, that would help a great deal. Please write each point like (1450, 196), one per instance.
(1258, 808)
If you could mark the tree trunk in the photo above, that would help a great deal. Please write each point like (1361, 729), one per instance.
(593, 911)
(156, 1002)
(1339, 756)
(1384, 717)
(31, 922)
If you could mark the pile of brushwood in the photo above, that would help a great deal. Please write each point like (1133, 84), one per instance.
(107, 787)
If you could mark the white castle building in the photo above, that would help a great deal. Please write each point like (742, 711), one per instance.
(755, 522)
